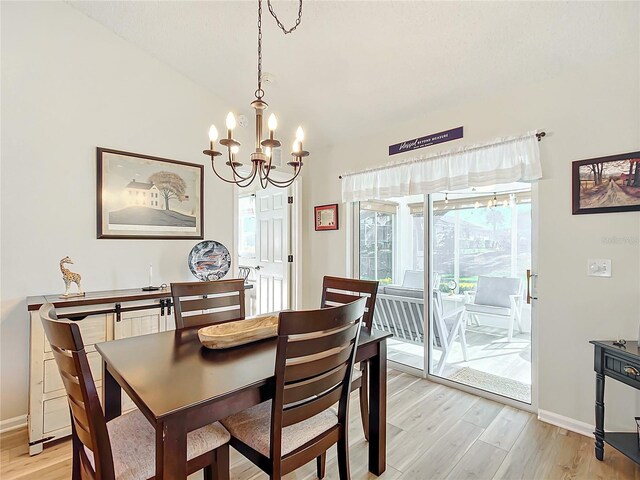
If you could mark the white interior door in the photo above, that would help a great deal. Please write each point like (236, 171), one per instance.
(272, 249)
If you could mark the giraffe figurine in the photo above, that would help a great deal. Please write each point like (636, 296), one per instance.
(70, 277)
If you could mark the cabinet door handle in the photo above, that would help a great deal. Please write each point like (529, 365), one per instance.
(162, 307)
(628, 369)
(118, 312)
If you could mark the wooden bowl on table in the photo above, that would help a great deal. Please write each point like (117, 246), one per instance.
(240, 332)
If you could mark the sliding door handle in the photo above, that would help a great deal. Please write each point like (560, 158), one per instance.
(529, 296)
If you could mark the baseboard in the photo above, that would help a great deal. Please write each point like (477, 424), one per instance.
(567, 423)
(13, 423)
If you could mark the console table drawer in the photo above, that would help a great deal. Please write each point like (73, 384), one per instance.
(619, 366)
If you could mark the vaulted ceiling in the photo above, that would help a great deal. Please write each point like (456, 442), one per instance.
(352, 67)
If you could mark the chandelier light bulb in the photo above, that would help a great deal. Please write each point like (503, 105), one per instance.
(273, 122)
(235, 149)
(299, 135)
(296, 146)
(231, 121)
(213, 134)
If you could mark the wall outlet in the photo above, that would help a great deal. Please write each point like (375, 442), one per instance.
(598, 267)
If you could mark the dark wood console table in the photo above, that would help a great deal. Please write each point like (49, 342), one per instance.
(621, 364)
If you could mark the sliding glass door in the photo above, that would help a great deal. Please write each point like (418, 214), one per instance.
(452, 268)
(481, 323)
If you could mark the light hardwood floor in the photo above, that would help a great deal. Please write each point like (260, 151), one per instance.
(434, 432)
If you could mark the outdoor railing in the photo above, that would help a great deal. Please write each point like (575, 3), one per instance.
(402, 316)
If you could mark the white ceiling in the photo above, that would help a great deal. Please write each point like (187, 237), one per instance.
(353, 67)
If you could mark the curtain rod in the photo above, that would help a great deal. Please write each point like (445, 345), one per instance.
(539, 136)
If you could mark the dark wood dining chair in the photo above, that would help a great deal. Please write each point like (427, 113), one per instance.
(314, 365)
(340, 291)
(197, 304)
(123, 448)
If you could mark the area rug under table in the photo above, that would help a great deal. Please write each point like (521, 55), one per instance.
(493, 383)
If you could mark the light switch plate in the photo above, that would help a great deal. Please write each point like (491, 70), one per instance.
(599, 267)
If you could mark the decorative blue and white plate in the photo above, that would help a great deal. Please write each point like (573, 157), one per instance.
(209, 260)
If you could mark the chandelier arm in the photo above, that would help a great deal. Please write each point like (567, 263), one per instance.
(265, 169)
(281, 184)
(235, 172)
(249, 182)
(285, 183)
(264, 181)
(235, 180)
(219, 176)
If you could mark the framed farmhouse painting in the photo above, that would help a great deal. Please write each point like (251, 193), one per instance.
(607, 184)
(140, 196)
(326, 217)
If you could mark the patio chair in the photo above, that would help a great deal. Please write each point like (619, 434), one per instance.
(447, 328)
(500, 297)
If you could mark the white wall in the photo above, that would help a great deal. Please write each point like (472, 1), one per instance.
(586, 114)
(68, 86)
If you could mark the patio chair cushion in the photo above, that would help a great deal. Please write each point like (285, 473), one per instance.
(404, 291)
(134, 449)
(253, 428)
(413, 279)
(495, 291)
(488, 309)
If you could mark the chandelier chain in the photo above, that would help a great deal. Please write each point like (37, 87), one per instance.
(259, 92)
(282, 27)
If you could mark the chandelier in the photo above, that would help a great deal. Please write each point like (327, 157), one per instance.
(262, 156)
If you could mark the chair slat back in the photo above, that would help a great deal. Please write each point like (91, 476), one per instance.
(198, 304)
(340, 291)
(88, 422)
(314, 364)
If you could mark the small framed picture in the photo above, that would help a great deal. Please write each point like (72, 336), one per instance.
(326, 217)
(140, 196)
(607, 184)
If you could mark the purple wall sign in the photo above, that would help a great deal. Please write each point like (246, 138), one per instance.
(441, 137)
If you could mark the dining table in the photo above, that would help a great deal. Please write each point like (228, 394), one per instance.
(180, 386)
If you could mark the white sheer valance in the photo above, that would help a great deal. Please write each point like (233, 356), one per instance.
(505, 160)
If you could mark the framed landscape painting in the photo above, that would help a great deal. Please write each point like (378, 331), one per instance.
(140, 196)
(607, 184)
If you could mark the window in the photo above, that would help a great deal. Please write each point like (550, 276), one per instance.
(392, 252)
(377, 220)
(247, 226)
